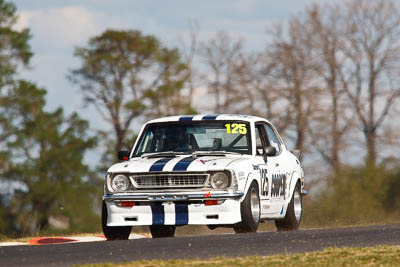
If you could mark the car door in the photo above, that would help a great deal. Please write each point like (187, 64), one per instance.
(279, 179)
(267, 169)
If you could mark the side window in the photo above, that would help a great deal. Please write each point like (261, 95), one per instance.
(258, 138)
(260, 141)
(273, 139)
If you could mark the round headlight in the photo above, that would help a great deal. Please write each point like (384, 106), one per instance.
(120, 183)
(219, 180)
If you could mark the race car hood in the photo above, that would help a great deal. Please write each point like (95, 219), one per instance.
(176, 164)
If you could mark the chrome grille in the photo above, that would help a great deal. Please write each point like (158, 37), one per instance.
(147, 181)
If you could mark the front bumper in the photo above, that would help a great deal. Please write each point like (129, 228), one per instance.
(173, 209)
(173, 196)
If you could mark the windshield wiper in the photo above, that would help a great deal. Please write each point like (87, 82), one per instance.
(207, 153)
(163, 154)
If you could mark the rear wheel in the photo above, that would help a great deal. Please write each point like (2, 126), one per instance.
(160, 231)
(250, 211)
(292, 219)
(113, 232)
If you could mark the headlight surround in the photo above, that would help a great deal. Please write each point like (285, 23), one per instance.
(219, 180)
(120, 183)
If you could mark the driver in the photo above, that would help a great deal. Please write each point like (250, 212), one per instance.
(176, 140)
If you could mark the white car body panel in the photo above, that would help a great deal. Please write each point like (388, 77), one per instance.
(276, 178)
(225, 213)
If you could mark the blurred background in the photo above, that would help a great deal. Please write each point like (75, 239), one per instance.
(79, 78)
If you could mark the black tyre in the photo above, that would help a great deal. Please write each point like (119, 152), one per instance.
(113, 232)
(292, 219)
(160, 231)
(250, 211)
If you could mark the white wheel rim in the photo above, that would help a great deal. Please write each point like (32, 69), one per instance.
(255, 205)
(297, 205)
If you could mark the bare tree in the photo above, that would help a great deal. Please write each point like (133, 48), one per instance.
(189, 50)
(371, 76)
(331, 124)
(293, 75)
(222, 57)
(260, 97)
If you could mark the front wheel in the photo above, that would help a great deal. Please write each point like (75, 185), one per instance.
(160, 231)
(113, 232)
(250, 211)
(292, 219)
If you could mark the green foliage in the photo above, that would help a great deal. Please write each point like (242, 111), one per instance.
(166, 97)
(47, 172)
(127, 75)
(14, 48)
(358, 195)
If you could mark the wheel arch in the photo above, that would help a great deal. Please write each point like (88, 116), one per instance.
(293, 180)
(250, 178)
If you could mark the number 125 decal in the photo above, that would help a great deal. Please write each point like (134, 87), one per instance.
(236, 128)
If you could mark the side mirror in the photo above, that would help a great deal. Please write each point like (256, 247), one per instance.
(123, 155)
(270, 151)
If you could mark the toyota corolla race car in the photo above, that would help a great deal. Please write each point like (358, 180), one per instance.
(215, 170)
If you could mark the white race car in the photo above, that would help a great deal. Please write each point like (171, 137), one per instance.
(215, 170)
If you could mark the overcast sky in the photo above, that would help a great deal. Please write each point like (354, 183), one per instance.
(59, 26)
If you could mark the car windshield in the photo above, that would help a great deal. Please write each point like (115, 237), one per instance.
(195, 136)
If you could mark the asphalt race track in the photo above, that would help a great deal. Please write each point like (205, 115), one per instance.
(231, 245)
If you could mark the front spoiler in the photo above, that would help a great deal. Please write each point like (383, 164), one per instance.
(173, 196)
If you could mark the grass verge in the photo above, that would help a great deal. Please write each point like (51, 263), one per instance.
(347, 256)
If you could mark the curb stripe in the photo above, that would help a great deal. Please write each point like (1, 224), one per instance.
(158, 214)
(50, 240)
(159, 165)
(186, 118)
(181, 214)
(209, 117)
(183, 164)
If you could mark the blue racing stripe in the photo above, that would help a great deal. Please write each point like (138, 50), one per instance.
(181, 214)
(186, 118)
(159, 165)
(209, 117)
(183, 164)
(158, 214)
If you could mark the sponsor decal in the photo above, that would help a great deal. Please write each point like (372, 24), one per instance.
(183, 164)
(181, 214)
(186, 118)
(264, 181)
(255, 167)
(278, 185)
(209, 117)
(159, 165)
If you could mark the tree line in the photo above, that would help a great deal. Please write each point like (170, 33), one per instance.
(328, 78)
